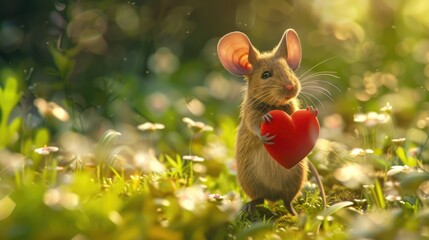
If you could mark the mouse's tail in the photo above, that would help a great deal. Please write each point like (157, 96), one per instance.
(319, 183)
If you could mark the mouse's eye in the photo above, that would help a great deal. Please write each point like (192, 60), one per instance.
(266, 74)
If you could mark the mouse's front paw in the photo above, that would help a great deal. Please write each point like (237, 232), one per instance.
(266, 139)
(267, 118)
(312, 110)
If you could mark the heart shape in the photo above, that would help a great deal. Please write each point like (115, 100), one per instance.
(295, 135)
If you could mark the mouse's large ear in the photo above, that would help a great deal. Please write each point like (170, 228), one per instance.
(290, 48)
(236, 53)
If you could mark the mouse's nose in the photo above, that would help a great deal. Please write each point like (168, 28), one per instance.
(289, 87)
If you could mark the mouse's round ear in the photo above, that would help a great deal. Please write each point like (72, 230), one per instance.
(236, 53)
(290, 48)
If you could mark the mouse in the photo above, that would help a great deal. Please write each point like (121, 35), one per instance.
(271, 84)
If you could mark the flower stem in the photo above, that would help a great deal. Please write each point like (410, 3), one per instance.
(423, 147)
(190, 144)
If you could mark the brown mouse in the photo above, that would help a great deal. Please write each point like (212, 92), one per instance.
(271, 84)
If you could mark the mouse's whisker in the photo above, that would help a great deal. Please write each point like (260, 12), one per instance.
(318, 74)
(321, 91)
(308, 100)
(320, 63)
(303, 100)
(278, 99)
(314, 79)
(259, 93)
(316, 87)
(258, 104)
(305, 97)
(320, 82)
(309, 95)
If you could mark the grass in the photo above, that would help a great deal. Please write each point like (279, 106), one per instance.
(119, 187)
(83, 83)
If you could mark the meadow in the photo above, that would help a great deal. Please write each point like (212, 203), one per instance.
(117, 120)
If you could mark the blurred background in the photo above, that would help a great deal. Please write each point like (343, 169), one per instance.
(117, 64)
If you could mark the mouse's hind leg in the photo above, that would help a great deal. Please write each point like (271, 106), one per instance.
(289, 207)
(252, 212)
(250, 206)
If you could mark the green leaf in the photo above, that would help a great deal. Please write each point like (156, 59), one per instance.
(6, 207)
(9, 98)
(14, 126)
(335, 208)
(11, 94)
(109, 137)
(411, 182)
(177, 164)
(328, 212)
(402, 155)
(27, 147)
(400, 152)
(379, 196)
(64, 63)
(257, 229)
(118, 175)
(42, 137)
(11, 85)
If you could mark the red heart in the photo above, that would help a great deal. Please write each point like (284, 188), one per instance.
(295, 135)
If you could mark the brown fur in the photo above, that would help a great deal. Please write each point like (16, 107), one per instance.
(259, 175)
